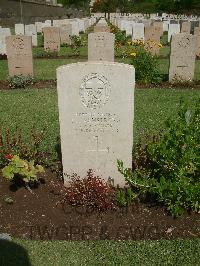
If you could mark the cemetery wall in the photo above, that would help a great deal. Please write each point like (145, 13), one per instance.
(32, 11)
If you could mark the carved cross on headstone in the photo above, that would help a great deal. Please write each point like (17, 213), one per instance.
(97, 151)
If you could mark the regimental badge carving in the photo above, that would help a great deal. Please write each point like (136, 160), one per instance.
(94, 91)
(18, 43)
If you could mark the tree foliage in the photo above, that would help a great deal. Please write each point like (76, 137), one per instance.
(75, 3)
(148, 6)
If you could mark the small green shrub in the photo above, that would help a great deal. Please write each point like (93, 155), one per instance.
(22, 169)
(125, 197)
(120, 37)
(146, 66)
(167, 166)
(20, 81)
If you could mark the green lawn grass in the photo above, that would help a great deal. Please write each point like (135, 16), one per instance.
(62, 253)
(38, 108)
(45, 69)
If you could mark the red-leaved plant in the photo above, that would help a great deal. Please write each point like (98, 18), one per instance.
(90, 191)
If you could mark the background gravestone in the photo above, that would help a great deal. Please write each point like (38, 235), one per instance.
(197, 34)
(152, 40)
(173, 29)
(51, 39)
(19, 54)
(19, 29)
(4, 32)
(65, 33)
(96, 118)
(186, 27)
(158, 27)
(138, 31)
(182, 58)
(30, 30)
(101, 46)
(101, 28)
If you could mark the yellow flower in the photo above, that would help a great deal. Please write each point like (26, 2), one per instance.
(129, 43)
(133, 54)
(160, 45)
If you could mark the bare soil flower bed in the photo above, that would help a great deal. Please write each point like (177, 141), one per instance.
(42, 216)
(4, 85)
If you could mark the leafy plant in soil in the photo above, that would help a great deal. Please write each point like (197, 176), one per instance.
(22, 169)
(20, 81)
(167, 166)
(90, 191)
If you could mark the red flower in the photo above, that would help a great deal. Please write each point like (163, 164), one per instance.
(8, 156)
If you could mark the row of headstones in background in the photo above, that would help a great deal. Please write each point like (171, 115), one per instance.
(183, 49)
(101, 48)
(128, 25)
(19, 47)
(76, 26)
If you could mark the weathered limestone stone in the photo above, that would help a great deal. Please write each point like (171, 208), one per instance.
(87, 23)
(81, 25)
(75, 28)
(30, 30)
(186, 27)
(47, 23)
(138, 31)
(39, 26)
(101, 46)
(51, 39)
(173, 29)
(96, 109)
(182, 58)
(152, 40)
(165, 25)
(158, 27)
(4, 32)
(101, 28)
(129, 29)
(19, 29)
(197, 34)
(65, 33)
(19, 54)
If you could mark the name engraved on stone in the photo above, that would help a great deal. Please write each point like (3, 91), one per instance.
(100, 41)
(95, 122)
(94, 91)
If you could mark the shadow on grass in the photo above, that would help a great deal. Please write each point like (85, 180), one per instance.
(12, 254)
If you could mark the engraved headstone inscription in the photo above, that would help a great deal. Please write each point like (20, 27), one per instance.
(182, 58)
(19, 54)
(96, 110)
(51, 39)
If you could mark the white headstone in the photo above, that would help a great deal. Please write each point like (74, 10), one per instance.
(30, 30)
(96, 118)
(138, 31)
(101, 46)
(19, 29)
(75, 28)
(4, 32)
(173, 29)
(182, 58)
